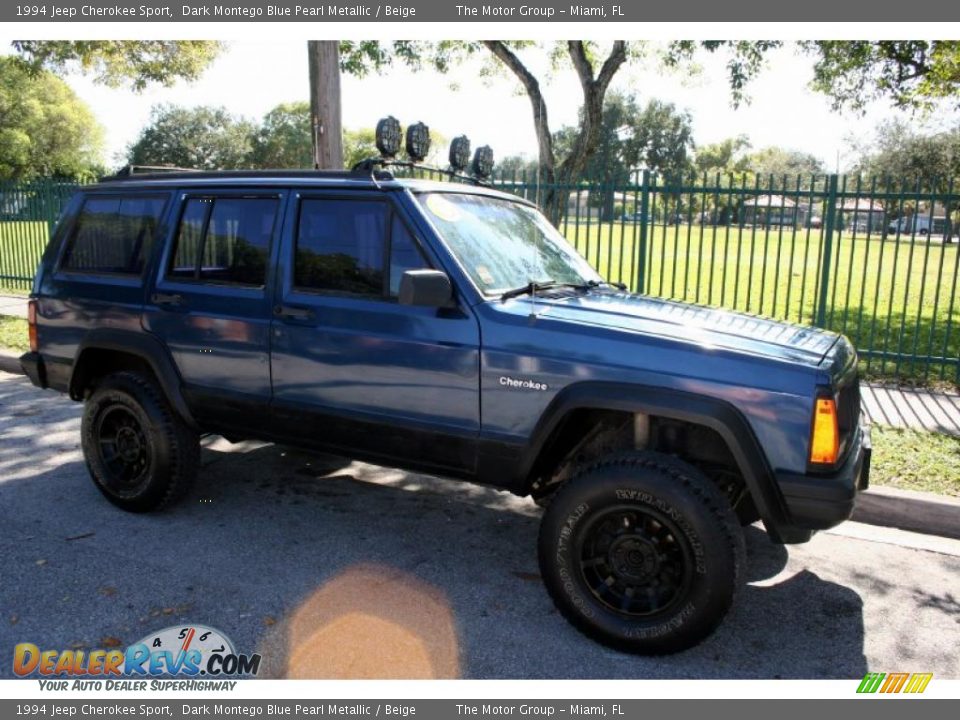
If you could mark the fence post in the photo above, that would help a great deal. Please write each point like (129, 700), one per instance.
(829, 222)
(644, 222)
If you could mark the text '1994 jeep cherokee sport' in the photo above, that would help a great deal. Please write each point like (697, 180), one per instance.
(447, 327)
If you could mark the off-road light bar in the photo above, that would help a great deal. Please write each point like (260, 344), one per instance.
(460, 153)
(483, 161)
(418, 142)
(389, 137)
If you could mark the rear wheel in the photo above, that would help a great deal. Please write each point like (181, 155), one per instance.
(141, 455)
(641, 552)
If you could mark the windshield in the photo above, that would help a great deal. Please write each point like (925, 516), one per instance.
(504, 244)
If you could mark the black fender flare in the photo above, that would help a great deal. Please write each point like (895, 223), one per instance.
(719, 415)
(144, 346)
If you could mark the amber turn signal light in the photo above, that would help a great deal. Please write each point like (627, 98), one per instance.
(825, 438)
(32, 325)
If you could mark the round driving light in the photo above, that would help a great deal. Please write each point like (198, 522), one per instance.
(388, 137)
(483, 161)
(418, 142)
(460, 153)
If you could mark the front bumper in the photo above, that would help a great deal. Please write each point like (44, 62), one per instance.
(821, 501)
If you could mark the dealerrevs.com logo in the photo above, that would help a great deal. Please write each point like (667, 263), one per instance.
(182, 651)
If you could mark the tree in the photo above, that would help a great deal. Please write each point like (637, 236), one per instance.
(358, 145)
(593, 73)
(45, 129)
(901, 158)
(203, 138)
(725, 157)
(138, 63)
(903, 154)
(593, 83)
(657, 137)
(325, 103)
(284, 138)
(517, 166)
(780, 162)
(910, 73)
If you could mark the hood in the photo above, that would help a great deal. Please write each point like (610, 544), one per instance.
(683, 322)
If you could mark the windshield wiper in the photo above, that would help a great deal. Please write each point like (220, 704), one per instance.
(598, 283)
(534, 287)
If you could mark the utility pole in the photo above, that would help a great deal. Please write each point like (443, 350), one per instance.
(325, 113)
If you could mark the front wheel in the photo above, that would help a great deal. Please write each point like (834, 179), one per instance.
(641, 552)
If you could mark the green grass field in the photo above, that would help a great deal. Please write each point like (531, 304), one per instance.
(889, 296)
(896, 299)
(916, 460)
(13, 333)
(21, 245)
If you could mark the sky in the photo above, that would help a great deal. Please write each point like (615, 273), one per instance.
(250, 78)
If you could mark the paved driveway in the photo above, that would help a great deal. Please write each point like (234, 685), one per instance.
(330, 568)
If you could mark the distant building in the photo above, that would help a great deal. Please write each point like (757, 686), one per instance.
(767, 210)
(860, 215)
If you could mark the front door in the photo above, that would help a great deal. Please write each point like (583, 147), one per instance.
(211, 303)
(355, 371)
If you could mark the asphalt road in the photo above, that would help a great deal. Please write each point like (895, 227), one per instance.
(338, 569)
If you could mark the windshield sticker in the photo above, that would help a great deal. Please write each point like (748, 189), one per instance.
(443, 208)
(485, 275)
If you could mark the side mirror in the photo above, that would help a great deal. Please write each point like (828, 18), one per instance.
(426, 288)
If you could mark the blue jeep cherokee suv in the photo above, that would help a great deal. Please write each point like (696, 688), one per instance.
(447, 327)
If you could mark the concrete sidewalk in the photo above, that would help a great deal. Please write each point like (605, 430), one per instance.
(915, 409)
(15, 305)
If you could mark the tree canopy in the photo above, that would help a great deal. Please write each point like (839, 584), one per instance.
(211, 138)
(283, 138)
(137, 63)
(726, 156)
(45, 129)
(780, 162)
(901, 154)
(911, 74)
(203, 137)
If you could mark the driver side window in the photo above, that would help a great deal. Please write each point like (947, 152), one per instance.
(354, 247)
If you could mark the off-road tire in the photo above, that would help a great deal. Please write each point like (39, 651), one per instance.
(128, 424)
(679, 519)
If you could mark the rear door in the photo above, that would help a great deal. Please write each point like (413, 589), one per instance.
(352, 368)
(211, 301)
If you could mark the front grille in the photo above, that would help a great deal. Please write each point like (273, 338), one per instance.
(848, 413)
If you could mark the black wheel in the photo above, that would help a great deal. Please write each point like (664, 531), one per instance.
(140, 453)
(642, 553)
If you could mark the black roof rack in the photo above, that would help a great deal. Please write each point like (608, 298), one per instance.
(146, 172)
(131, 170)
(369, 166)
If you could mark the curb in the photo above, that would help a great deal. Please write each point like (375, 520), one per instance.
(909, 510)
(10, 362)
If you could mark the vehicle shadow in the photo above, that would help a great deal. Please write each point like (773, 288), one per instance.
(337, 569)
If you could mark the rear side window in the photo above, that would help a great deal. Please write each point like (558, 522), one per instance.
(114, 234)
(224, 240)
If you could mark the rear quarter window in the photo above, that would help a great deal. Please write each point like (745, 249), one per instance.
(113, 234)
